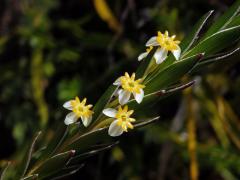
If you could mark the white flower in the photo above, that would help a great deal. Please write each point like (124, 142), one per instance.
(122, 120)
(129, 86)
(166, 44)
(79, 110)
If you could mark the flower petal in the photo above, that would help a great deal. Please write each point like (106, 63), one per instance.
(142, 55)
(68, 105)
(139, 97)
(110, 112)
(86, 120)
(177, 53)
(124, 96)
(117, 82)
(119, 91)
(116, 92)
(152, 41)
(115, 130)
(70, 118)
(160, 55)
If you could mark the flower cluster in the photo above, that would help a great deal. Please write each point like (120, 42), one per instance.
(128, 86)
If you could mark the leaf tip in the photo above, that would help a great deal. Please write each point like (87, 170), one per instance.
(35, 177)
(211, 11)
(72, 153)
(161, 92)
(200, 56)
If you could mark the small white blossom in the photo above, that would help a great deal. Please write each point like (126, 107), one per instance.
(79, 110)
(129, 86)
(122, 120)
(165, 44)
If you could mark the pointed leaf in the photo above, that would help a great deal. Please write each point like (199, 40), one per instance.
(218, 58)
(156, 96)
(216, 42)
(171, 74)
(83, 156)
(2, 176)
(56, 141)
(170, 60)
(53, 164)
(143, 123)
(222, 22)
(28, 157)
(194, 34)
(234, 22)
(30, 177)
(65, 172)
(86, 140)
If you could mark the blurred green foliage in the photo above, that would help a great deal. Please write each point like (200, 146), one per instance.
(51, 51)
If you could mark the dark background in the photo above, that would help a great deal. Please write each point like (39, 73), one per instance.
(51, 51)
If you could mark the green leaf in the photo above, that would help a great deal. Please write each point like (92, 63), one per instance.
(217, 58)
(53, 164)
(156, 96)
(170, 59)
(171, 74)
(103, 101)
(194, 34)
(145, 63)
(77, 159)
(65, 172)
(27, 159)
(216, 42)
(234, 22)
(74, 129)
(143, 123)
(2, 176)
(224, 20)
(56, 141)
(100, 135)
(86, 140)
(30, 177)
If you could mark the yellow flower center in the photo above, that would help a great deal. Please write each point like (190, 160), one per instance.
(80, 108)
(167, 42)
(123, 118)
(149, 49)
(130, 84)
